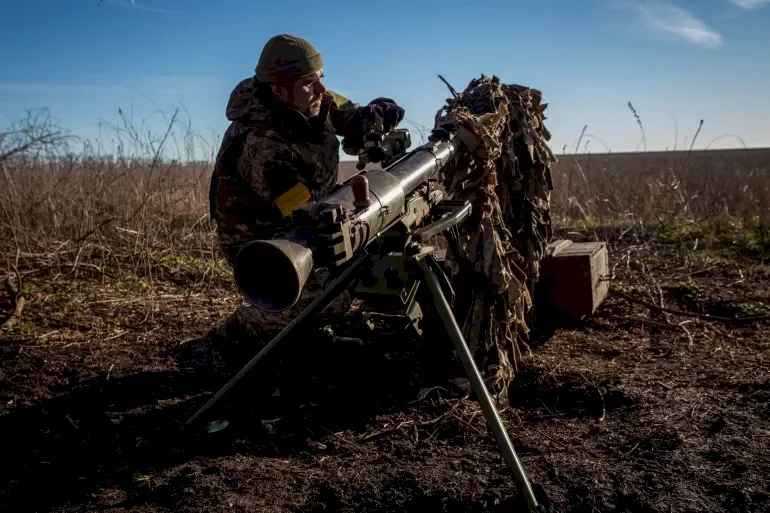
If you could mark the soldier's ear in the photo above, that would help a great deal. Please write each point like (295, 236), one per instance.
(281, 93)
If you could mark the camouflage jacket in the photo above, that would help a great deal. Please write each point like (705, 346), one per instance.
(272, 160)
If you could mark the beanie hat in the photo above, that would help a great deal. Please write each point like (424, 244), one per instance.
(286, 58)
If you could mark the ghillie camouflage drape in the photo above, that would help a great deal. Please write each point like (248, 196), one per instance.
(507, 178)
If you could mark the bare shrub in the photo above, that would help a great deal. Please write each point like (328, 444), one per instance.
(69, 211)
(146, 200)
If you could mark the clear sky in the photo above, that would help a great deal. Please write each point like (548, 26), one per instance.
(677, 61)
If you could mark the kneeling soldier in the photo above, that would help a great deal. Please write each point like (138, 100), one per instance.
(280, 154)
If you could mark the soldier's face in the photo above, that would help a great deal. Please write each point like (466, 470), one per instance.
(305, 95)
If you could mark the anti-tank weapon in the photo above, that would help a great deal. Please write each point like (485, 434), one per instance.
(372, 233)
(388, 208)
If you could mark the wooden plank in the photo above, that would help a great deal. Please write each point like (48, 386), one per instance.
(556, 247)
(582, 248)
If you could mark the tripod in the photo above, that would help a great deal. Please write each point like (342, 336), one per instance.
(417, 263)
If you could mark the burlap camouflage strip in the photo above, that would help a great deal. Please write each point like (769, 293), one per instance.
(508, 179)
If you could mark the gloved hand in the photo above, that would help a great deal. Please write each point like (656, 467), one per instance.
(382, 115)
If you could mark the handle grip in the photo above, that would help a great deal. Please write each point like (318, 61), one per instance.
(459, 213)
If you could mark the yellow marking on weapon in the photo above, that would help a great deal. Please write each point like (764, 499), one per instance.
(291, 199)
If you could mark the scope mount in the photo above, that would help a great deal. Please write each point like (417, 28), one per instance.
(385, 149)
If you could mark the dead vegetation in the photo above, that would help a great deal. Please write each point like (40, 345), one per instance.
(136, 211)
(658, 403)
(148, 202)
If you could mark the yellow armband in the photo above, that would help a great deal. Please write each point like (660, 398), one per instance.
(292, 199)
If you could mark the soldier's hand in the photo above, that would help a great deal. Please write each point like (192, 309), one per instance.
(382, 115)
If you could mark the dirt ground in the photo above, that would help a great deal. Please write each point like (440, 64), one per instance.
(632, 410)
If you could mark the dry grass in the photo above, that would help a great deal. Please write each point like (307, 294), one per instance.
(115, 255)
(88, 212)
(142, 208)
(664, 186)
(719, 198)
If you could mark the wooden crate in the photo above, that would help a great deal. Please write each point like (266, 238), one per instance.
(574, 277)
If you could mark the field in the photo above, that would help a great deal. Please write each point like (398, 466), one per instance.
(659, 402)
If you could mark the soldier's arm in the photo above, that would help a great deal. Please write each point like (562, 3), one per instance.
(345, 116)
(352, 121)
(270, 168)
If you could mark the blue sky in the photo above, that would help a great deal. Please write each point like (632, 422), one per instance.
(677, 61)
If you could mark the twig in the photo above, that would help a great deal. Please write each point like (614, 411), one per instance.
(118, 334)
(390, 431)
(639, 320)
(660, 294)
(687, 332)
(732, 284)
(339, 438)
(48, 334)
(122, 301)
(43, 139)
(67, 324)
(684, 313)
(633, 448)
(72, 422)
(689, 152)
(641, 126)
(676, 277)
(451, 89)
(386, 432)
(579, 167)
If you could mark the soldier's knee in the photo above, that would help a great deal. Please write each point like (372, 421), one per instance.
(259, 322)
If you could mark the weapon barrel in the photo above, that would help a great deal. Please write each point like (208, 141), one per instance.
(423, 164)
(289, 264)
(388, 187)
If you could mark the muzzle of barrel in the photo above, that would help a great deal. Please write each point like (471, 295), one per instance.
(271, 273)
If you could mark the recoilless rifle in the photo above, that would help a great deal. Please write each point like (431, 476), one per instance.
(372, 233)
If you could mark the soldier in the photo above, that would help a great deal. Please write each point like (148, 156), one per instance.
(280, 154)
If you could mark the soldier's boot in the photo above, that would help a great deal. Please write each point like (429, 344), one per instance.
(235, 340)
(213, 347)
(248, 329)
(229, 331)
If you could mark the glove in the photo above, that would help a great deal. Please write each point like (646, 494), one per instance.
(382, 115)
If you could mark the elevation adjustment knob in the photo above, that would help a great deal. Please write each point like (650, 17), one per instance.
(360, 186)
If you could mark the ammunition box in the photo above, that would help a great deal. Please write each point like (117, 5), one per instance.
(574, 277)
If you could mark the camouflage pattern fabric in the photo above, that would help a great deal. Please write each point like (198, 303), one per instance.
(269, 148)
(507, 177)
(268, 151)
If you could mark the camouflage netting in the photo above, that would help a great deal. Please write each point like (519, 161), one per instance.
(507, 178)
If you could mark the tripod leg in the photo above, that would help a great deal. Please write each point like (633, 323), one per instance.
(314, 308)
(487, 405)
